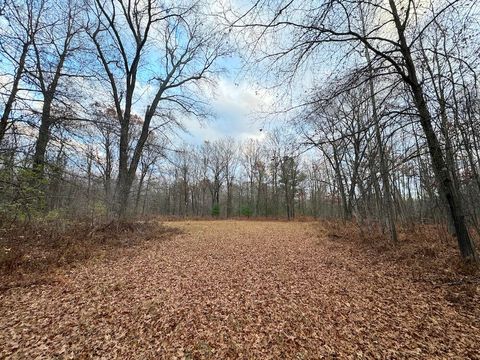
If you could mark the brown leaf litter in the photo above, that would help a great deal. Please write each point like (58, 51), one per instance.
(239, 289)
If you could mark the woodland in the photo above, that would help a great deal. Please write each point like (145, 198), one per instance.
(224, 179)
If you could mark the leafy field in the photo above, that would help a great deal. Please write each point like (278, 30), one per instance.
(241, 289)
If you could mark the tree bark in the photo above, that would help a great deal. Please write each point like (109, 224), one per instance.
(444, 178)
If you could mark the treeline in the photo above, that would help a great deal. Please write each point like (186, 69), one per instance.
(396, 112)
(93, 94)
(276, 177)
(88, 80)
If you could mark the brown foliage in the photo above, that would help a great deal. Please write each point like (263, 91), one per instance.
(425, 253)
(29, 251)
(247, 290)
(426, 248)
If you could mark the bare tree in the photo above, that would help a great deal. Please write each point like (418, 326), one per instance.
(15, 43)
(128, 34)
(391, 37)
(53, 47)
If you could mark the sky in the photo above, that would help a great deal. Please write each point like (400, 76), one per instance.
(238, 102)
(235, 105)
(242, 104)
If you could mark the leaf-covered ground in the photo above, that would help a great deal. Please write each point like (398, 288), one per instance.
(238, 289)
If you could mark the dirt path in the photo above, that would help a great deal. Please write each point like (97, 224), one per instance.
(234, 289)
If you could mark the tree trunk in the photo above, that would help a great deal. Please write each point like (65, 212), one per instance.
(139, 190)
(13, 92)
(122, 190)
(43, 136)
(387, 198)
(446, 185)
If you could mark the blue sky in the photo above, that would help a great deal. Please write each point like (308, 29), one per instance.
(237, 100)
(236, 103)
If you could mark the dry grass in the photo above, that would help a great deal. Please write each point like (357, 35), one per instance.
(425, 253)
(243, 290)
(30, 253)
(425, 249)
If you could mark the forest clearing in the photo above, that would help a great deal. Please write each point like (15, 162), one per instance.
(239, 179)
(250, 289)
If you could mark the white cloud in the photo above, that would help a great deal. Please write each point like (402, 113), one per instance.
(237, 106)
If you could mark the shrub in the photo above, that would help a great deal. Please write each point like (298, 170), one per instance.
(246, 211)
(216, 210)
(30, 250)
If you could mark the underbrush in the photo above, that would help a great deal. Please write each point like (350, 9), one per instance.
(29, 251)
(427, 244)
(425, 253)
(173, 218)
